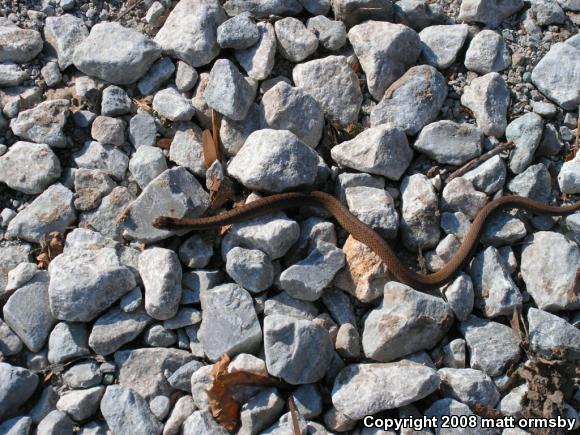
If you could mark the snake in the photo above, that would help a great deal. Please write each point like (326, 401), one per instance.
(427, 283)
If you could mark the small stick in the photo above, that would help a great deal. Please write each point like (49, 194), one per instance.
(474, 163)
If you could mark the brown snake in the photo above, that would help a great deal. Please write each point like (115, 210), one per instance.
(365, 234)
(362, 232)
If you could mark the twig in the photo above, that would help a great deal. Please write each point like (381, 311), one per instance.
(129, 9)
(294, 415)
(474, 163)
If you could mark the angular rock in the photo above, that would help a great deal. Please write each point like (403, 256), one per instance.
(170, 104)
(444, 408)
(503, 229)
(202, 422)
(412, 101)
(11, 74)
(460, 296)
(115, 101)
(81, 404)
(381, 150)
(14, 254)
(535, 183)
(108, 158)
(488, 98)
(420, 213)
(331, 34)
(488, 177)
(19, 45)
(56, 422)
(379, 387)
(161, 273)
(263, 9)
(553, 337)
(173, 193)
(487, 53)
(450, 142)
(407, 321)
(288, 108)
(190, 31)
(419, 14)
(51, 211)
(185, 77)
(258, 60)
(229, 322)
(127, 412)
(469, 386)
(261, 411)
(187, 149)
(385, 51)
(460, 195)
(525, 132)
(107, 130)
(333, 83)
(251, 269)
(440, 45)
(43, 124)
(375, 207)
(116, 328)
(100, 54)
(63, 34)
(67, 341)
(551, 283)
(238, 32)
(142, 130)
(295, 42)
(287, 339)
(146, 164)
(16, 386)
(29, 167)
(10, 344)
(274, 161)
(83, 283)
(569, 177)
(227, 91)
(104, 219)
(157, 75)
(488, 12)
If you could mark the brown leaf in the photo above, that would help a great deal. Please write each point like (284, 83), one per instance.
(209, 149)
(224, 407)
(49, 249)
(164, 143)
(215, 132)
(486, 411)
(294, 415)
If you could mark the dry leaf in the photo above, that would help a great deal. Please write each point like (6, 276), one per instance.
(164, 143)
(209, 149)
(49, 249)
(486, 411)
(294, 415)
(224, 407)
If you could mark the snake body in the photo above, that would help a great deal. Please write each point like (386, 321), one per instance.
(428, 283)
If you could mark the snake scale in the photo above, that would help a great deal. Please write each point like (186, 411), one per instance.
(362, 232)
(428, 283)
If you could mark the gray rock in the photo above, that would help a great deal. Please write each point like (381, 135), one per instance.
(460, 195)
(160, 406)
(146, 164)
(19, 426)
(81, 404)
(19, 45)
(535, 183)
(333, 83)
(183, 408)
(238, 32)
(511, 403)
(190, 31)
(202, 422)
(375, 207)
(440, 45)
(295, 42)
(29, 167)
(19, 98)
(85, 374)
(10, 344)
(469, 386)
(560, 84)
(50, 211)
(331, 34)
(419, 14)
(83, 283)
(202, 110)
(44, 405)
(496, 293)
(551, 284)
(547, 12)
(187, 149)
(27, 312)
(173, 193)
(550, 144)
(503, 229)
(227, 91)
(157, 75)
(93, 427)
(143, 370)
(170, 104)
(379, 387)
(288, 108)
(487, 53)
(250, 268)
(488, 98)
(115, 101)
(154, 14)
(16, 386)
(406, 322)
(107, 130)
(105, 218)
(286, 305)
(161, 273)
(258, 60)
(569, 177)
(553, 337)
(348, 342)
(316, 7)
(263, 8)
(525, 132)
(184, 317)
(545, 109)
(11, 74)
(67, 341)
(287, 339)
(14, 254)
(51, 74)
(446, 248)
(229, 322)
(100, 54)
(56, 422)
(233, 134)
(307, 279)
(385, 51)
(196, 251)
(308, 400)
(488, 12)
(412, 101)
(142, 130)
(261, 411)
(127, 412)
(63, 34)
(116, 328)
(107, 158)
(185, 77)
(493, 347)
(419, 213)
(258, 164)
(380, 150)
(43, 124)
(448, 407)
(181, 378)
(450, 142)
(454, 354)
(489, 177)
(159, 336)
